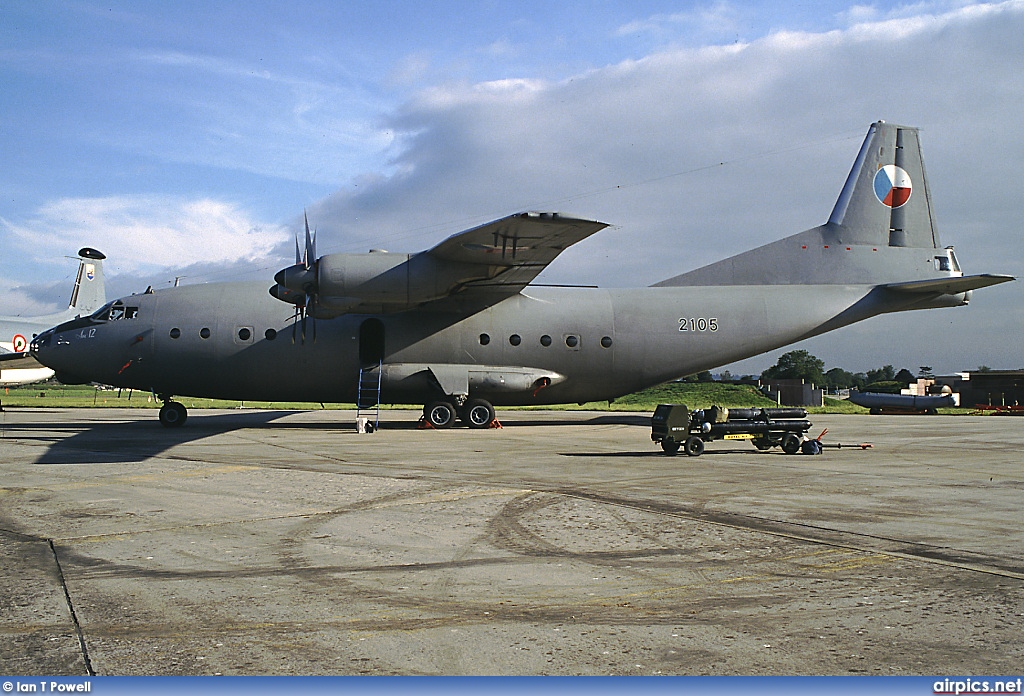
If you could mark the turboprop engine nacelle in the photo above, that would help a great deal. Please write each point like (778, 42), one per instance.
(374, 282)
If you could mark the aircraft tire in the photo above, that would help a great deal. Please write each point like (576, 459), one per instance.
(173, 415)
(440, 414)
(790, 443)
(478, 414)
(671, 447)
(694, 446)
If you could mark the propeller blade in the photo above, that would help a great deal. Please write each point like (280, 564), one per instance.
(310, 256)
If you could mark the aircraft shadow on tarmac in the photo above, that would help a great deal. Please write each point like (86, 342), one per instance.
(137, 440)
(610, 419)
(682, 458)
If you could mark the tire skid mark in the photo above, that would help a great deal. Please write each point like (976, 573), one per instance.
(814, 534)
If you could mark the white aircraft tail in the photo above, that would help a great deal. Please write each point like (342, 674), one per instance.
(90, 292)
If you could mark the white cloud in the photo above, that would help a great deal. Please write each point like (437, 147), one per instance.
(739, 144)
(23, 300)
(717, 18)
(858, 14)
(146, 233)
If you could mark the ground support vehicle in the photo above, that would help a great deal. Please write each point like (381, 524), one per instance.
(674, 426)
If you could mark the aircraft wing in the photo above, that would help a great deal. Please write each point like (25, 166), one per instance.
(17, 361)
(953, 285)
(465, 273)
(509, 253)
(8, 355)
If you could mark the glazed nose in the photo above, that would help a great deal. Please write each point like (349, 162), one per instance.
(40, 343)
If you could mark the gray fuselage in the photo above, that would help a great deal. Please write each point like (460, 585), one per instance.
(234, 341)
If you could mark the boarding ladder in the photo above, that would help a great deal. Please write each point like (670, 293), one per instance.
(368, 393)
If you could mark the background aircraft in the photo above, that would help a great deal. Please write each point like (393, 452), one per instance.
(460, 328)
(16, 365)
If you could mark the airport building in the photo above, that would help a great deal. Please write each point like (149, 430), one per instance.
(997, 389)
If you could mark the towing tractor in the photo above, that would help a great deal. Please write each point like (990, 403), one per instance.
(675, 426)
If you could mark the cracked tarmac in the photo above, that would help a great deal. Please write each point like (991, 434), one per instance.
(273, 542)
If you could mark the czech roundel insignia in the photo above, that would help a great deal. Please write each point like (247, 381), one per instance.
(19, 343)
(893, 186)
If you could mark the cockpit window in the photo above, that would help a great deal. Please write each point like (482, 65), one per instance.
(115, 311)
(102, 311)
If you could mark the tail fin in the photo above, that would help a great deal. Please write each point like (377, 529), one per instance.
(90, 292)
(875, 235)
(886, 200)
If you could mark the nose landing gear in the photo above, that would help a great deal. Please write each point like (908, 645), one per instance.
(172, 414)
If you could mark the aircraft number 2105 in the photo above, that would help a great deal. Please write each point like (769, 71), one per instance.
(698, 324)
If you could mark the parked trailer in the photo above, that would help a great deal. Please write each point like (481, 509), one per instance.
(674, 426)
(881, 404)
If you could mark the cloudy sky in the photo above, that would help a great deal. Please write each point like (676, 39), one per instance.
(186, 139)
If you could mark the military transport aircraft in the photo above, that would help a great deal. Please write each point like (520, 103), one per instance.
(460, 328)
(16, 365)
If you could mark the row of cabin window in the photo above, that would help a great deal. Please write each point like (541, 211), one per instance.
(244, 334)
(571, 341)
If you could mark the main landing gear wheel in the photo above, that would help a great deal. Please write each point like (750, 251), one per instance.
(478, 414)
(173, 414)
(440, 414)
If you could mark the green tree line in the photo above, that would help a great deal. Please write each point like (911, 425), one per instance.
(799, 364)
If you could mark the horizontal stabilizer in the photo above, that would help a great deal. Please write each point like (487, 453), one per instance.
(950, 286)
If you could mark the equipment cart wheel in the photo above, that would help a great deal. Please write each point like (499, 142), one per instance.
(762, 443)
(694, 446)
(790, 443)
(671, 447)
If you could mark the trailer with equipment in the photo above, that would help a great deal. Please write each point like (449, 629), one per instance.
(674, 426)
